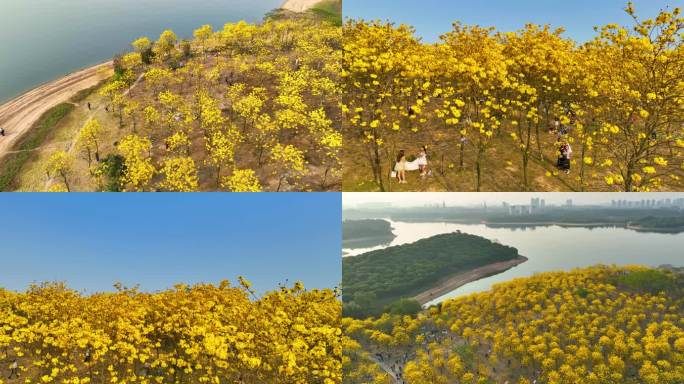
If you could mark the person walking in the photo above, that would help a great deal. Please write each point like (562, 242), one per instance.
(2, 131)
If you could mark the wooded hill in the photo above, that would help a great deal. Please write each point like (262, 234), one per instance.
(374, 279)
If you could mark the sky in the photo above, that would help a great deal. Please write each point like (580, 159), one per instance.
(432, 18)
(91, 241)
(351, 200)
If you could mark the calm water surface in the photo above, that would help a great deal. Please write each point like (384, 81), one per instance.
(552, 248)
(41, 40)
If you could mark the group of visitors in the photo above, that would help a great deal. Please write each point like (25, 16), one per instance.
(419, 164)
(402, 165)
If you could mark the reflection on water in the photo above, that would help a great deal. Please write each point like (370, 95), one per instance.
(552, 248)
(367, 243)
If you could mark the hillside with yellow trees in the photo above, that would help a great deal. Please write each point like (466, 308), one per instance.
(498, 110)
(601, 325)
(249, 107)
(190, 334)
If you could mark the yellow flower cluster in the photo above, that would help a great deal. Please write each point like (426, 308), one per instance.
(227, 100)
(599, 325)
(190, 334)
(618, 97)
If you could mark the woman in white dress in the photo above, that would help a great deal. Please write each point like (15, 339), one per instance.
(422, 161)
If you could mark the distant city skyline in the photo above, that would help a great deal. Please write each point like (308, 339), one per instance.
(432, 18)
(91, 241)
(418, 199)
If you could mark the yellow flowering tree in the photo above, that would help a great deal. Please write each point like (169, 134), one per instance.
(242, 180)
(180, 175)
(138, 163)
(189, 334)
(88, 140)
(60, 164)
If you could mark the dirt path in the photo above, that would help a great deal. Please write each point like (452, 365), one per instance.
(451, 283)
(72, 143)
(386, 368)
(299, 5)
(19, 114)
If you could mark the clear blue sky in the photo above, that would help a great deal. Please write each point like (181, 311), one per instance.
(435, 17)
(91, 241)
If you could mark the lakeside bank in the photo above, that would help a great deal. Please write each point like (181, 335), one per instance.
(451, 283)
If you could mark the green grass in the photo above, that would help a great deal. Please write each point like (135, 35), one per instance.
(84, 93)
(36, 135)
(330, 10)
(650, 280)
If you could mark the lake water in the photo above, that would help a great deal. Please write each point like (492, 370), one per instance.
(552, 248)
(41, 40)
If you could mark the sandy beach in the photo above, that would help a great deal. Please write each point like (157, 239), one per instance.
(20, 113)
(451, 283)
(299, 5)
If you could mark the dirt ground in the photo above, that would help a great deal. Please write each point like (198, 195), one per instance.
(501, 167)
(453, 282)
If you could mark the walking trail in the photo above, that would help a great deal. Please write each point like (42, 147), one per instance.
(19, 114)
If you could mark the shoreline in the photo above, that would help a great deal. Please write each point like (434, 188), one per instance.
(555, 223)
(66, 74)
(20, 113)
(454, 282)
(636, 228)
(351, 242)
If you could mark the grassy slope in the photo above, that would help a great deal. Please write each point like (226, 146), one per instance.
(330, 10)
(13, 163)
(62, 136)
(39, 141)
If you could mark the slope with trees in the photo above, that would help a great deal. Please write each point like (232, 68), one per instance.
(494, 108)
(372, 280)
(601, 325)
(249, 107)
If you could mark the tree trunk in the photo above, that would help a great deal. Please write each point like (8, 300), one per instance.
(581, 175)
(218, 177)
(325, 178)
(478, 168)
(378, 165)
(66, 182)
